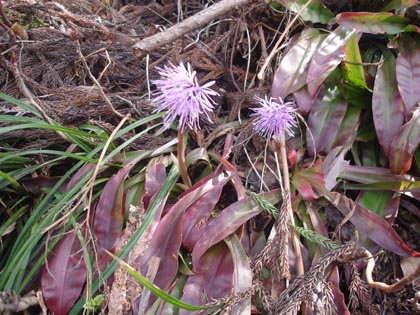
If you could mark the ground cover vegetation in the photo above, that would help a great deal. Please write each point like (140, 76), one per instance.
(209, 157)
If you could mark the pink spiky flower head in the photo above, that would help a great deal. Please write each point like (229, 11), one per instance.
(181, 96)
(273, 116)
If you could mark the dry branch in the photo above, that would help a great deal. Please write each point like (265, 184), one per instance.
(194, 22)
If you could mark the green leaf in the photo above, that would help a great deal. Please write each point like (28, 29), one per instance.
(353, 71)
(373, 23)
(316, 12)
(399, 4)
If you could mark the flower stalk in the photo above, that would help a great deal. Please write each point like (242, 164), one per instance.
(181, 159)
(273, 120)
(180, 95)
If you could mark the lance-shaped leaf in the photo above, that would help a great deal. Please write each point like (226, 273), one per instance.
(109, 216)
(292, 71)
(315, 12)
(155, 178)
(242, 278)
(399, 4)
(382, 203)
(334, 164)
(196, 217)
(353, 71)
(325, 120)
(387, 105)
(326, 58)
(373, 23)
(308, 178)
(408, 71)
(213, 281)
(64, 275)
(405, 144)
(370, 224)
(227, 222)
(166, 240)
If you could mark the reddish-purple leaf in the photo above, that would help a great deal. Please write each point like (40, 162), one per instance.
(380, 202)
(155, 178)
(81, 172)
(293, 69)
(40, 183)
(339, 299)
(334, 164)
(303, 186)
(166, 240)
(227, 222)
(108, 219)
(303, 100)
(347, 132)
(372, 225)
(306, 179)
(387, 105)
(196, 217)
(324, 121)
(408, 72)
(64, 275)
(242, 277)
(213, 281)
(374, 23)
(326, 58)
(405, 144)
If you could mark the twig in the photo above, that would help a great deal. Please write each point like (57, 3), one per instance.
(387, 288)
(194, 22)
(92, 77)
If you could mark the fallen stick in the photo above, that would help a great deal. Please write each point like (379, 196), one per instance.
(192, 23)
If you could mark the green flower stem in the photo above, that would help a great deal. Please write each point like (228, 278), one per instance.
(286, 181)
(181, 159)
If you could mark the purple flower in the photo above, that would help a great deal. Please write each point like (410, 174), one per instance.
(181, 96)
(273, 116)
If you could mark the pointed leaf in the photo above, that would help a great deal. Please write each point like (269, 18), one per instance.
(109, 217)
(166, 240)
(373, 23)
(382, 203)
(324, 120)
(292, 71)
(399, 4)
(227, 222)
(326, 58)
(405, 144)
(408, 72)
(196, 217)
(304, 101)
(352, 67)
(64, 275)
(333, 165)
(372, 225)
(315, 12)
(214, 281)
(387, 105)
(155, 178)
(242, 278)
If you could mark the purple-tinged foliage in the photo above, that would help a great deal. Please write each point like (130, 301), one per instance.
(274, 117)
(181, 96)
